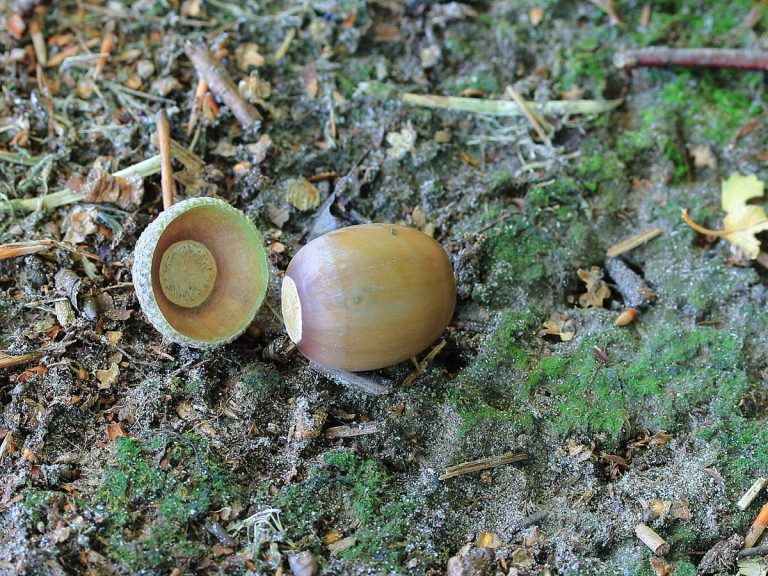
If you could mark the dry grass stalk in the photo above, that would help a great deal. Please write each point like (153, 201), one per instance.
(507, 107)
(751, 494)
(14, 249)
(221, 84)
(483, 464)
(535, 121)
(648, 536)
(633, 242)
(10, 361)
(353, 430)
(166, 170)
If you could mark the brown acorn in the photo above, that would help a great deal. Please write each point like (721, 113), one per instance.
(368, 296)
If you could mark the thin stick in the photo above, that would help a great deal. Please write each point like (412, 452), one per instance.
(532, 118)
(751, 494)
(197, 104)
(221, 84)
(656, 543)
(507, 108)
(15, 249)
(483, 464)
(351, 431)
(107, 45)
(757, 528)
(166, 170)
(633, 242)
(752, 552)
(663, 57)
(10, 361)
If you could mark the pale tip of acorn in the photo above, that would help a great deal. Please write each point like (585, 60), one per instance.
(291, 304)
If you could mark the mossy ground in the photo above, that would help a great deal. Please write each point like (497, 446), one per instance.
(227, 469)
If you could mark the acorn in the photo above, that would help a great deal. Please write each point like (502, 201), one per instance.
(367, 296)
(200, 272)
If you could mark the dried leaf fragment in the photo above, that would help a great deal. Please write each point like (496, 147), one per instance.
(107, 377)
(742, 221)
(100, 186)
(401, 143)
(597, 289)
(560, 325)
(302, 194)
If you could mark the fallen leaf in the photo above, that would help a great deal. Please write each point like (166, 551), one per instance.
(742, 221)
(248, 56)
(559, 325)
(597, 289)
(107, 377)
(115, 430)
(82, 223)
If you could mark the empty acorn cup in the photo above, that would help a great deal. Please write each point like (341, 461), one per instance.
(200, 272)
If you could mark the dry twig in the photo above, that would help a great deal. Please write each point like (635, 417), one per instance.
(535, 121)
(633, 242)
(14, 249)
(166, 170)
(352, 430)
(751, 494)
(508, 108)
(10, 361)
(483, 464)
(664, 57)
(221, 84)
(757, 528)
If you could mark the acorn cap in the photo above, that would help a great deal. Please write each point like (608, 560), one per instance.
(200, 272)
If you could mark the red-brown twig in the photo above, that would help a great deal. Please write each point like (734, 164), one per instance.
(663, 57)
(166, 170)
(757, 528)
(221, 84)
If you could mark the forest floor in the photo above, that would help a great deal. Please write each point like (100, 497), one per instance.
(122, 453)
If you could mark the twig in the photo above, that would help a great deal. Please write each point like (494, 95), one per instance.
(9, 361)
(107, 44)
(532, 118)
(166, 170)
(507, 108)
(353, 430)
(221, 84)
(751, 494)
(663, 57)
(757, 528)
(607, 7)
(197, 104)
(656, 543)
(633, 242)
(752, 552)
(14, 249)
(483, 464)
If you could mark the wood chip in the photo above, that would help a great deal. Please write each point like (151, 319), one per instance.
(650, 538)
(483, 464)
(751, 494)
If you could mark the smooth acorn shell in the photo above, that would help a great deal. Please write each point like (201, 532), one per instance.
(369, 296)
(208, 237)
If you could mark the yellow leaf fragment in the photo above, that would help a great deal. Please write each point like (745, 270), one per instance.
(742, 221)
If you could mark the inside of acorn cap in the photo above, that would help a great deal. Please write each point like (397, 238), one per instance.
(241, 274)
